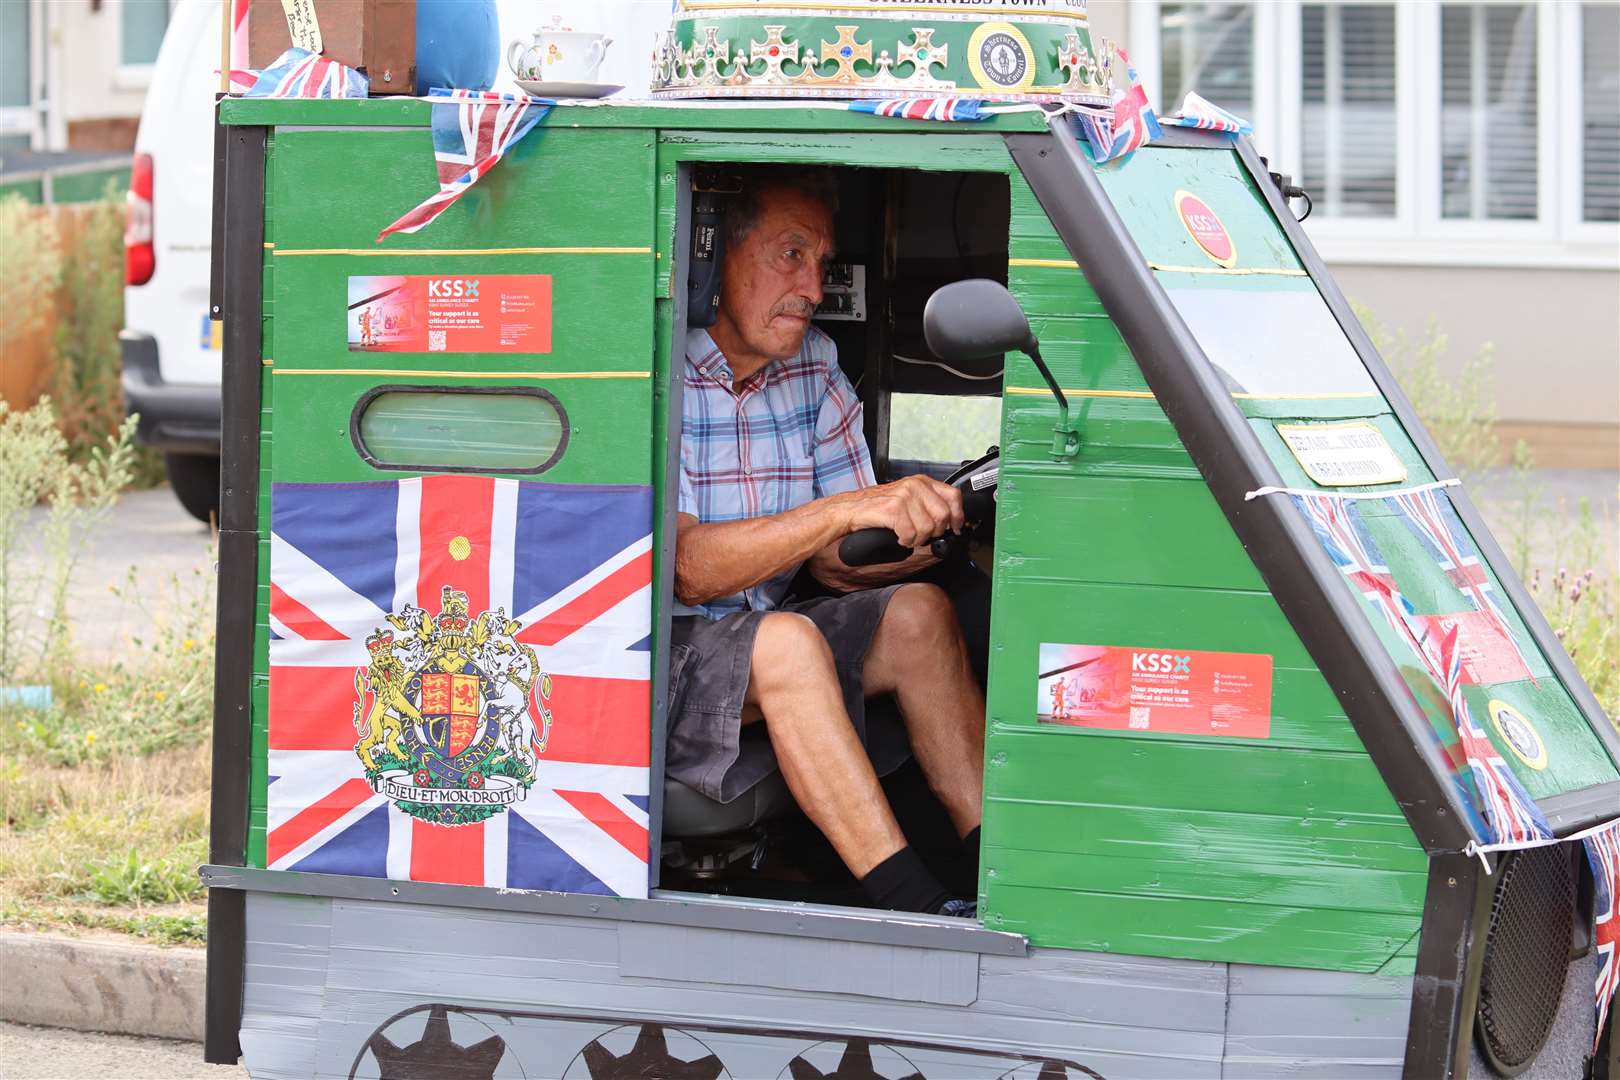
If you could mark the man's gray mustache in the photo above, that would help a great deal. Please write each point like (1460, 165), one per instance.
(802, 310)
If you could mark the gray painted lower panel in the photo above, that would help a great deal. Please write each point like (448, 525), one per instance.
(333, 983)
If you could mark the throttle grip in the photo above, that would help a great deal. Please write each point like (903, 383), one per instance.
(872, 547)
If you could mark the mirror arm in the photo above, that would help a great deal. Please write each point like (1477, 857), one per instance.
(1065, 438)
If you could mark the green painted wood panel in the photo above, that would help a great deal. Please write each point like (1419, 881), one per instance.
(581, 211)
(1285, 850)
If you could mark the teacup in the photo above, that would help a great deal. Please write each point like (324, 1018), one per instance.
(558, 54)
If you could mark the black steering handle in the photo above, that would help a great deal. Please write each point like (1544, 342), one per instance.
(872, 547)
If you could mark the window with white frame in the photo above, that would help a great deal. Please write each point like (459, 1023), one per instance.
(1489, 82)
(1600, 112)
(1423, 129)
(1348, 148)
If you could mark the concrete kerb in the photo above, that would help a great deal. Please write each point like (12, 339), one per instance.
(90, 985)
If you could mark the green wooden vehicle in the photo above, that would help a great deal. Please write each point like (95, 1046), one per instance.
(1230, 826)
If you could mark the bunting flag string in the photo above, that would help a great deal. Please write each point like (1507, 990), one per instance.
(1509, 812)
(1204, 115)
(298, 73)
(472, 131)
(1603, 852)
(1129, 126)
(930, 108)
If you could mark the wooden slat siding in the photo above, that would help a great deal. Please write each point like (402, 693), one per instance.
(1312, 1025)
(725, 958)
(1287, 850)
(1125, 1017)
(284, 995)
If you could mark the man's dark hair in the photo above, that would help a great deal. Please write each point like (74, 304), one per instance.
(744, 209)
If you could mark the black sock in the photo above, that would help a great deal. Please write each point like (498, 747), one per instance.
(903, 882)
(966, 881)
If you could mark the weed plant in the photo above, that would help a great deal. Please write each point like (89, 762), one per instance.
(30, 269)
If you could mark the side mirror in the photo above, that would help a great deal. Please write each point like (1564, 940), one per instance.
(974, 320)
(970, 321)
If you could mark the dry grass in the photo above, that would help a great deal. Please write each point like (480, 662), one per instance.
(114, 844)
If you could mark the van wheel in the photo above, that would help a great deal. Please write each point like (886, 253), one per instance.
(194, 479)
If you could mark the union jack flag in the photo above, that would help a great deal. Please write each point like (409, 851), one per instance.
(928, 108)
(558, 573)
(1203, 114)
(298, 73)
(1130, 126)
(1454, 551)
(1603, 852)
(472, 131)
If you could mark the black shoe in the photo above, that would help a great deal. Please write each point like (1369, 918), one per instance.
(958, 908)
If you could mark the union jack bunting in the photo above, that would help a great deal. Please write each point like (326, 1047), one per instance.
(1513, 815)
(298, 73)
(1198, 112)
(933, 108)
(1431, 516)
(1130, 126)
(1603, 852)
(459, 682)
(1508, 813)
(472, 131)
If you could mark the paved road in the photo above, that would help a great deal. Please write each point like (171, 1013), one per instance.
(32, 1053)
(150, 532)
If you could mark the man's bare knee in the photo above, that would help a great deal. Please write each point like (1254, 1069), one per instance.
(920, 614)
(788, 652)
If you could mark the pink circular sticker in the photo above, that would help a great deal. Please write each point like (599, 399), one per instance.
(1206, 229)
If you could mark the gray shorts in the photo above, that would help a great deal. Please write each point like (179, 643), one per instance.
(709, 665)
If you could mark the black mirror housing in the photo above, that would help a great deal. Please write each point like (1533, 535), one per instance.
(974, 320)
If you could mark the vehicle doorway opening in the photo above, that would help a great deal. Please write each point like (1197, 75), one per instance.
(862, 787)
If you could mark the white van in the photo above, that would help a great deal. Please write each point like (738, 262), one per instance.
(170, 342)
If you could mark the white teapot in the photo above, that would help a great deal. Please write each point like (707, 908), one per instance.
(558, 53)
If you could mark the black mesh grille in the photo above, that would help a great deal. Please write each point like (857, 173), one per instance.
(1526, 954)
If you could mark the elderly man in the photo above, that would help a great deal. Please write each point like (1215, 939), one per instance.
(775, 472)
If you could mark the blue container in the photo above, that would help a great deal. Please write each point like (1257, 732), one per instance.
(458, 44)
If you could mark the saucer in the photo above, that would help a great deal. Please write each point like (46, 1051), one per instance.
(538, 88)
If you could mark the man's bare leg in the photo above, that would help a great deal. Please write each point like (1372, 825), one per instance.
(793, 684)
(918, 655)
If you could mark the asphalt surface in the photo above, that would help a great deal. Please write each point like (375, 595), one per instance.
(33, 1053)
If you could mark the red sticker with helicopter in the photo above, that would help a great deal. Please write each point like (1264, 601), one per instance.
(1206, 229)
(450, 313)
(1170, 691)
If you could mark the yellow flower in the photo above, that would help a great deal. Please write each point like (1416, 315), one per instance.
(83, 685)
(101, 688)
(21, 726)
(89, 738)
(159, 696)
(188, 645)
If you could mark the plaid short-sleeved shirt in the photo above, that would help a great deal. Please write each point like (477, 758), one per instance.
(789, 435)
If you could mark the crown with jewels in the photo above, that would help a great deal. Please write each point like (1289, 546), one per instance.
(849, 67)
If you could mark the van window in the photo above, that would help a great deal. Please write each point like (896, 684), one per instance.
(474, 430)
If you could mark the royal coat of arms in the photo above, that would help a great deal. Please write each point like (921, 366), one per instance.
(451, 712)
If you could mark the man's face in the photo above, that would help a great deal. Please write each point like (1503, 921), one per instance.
(772, 279)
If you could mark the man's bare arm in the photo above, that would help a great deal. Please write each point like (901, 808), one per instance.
(720, 558)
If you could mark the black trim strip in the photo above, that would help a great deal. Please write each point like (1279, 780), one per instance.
(1492, 552)
(243, 286)
(376, 392)
(670, 391)
(1305, 584)
(1451, 955)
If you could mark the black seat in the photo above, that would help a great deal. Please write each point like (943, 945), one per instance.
(689, 813)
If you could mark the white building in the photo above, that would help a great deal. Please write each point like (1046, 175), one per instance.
(1464, 159)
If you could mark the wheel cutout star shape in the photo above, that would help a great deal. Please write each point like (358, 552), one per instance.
(437, 1056)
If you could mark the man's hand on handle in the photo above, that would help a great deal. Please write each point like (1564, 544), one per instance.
(917, 508)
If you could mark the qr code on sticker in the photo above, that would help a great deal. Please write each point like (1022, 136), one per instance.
(436, 341)
(1139, 717)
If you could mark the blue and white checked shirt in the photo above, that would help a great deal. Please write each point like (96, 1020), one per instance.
(791, 434)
